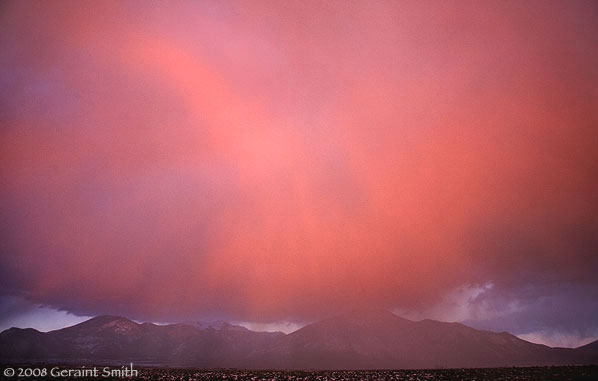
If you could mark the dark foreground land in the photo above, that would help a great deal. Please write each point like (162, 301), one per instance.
(531, 373)
(588, 372)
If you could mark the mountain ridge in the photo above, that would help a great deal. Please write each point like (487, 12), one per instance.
(374, 339)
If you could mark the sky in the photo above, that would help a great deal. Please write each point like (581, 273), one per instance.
(275, 163)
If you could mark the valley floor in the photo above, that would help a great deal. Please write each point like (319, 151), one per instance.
(561, 373)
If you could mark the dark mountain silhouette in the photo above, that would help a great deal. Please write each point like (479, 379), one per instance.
(382, 340)
(357, 340)
(591, 348)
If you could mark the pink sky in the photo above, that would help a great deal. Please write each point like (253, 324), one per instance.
(279, 162)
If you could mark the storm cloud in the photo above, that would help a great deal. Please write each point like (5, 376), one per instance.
(264, 162)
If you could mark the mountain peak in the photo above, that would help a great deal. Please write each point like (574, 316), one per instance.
(376, 316)
(369, 313)
(17, 330)
(107, 322)
(358, 324)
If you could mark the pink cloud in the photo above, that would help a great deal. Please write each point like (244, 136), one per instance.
(271, 164)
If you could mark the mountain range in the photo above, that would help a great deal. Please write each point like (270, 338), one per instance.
(373, 339)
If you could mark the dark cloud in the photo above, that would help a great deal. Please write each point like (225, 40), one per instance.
(545, 313)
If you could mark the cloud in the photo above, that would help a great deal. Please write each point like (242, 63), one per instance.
(286, 327)
(18, 312)
(264, 163)
(557, 339)
(556, 314)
